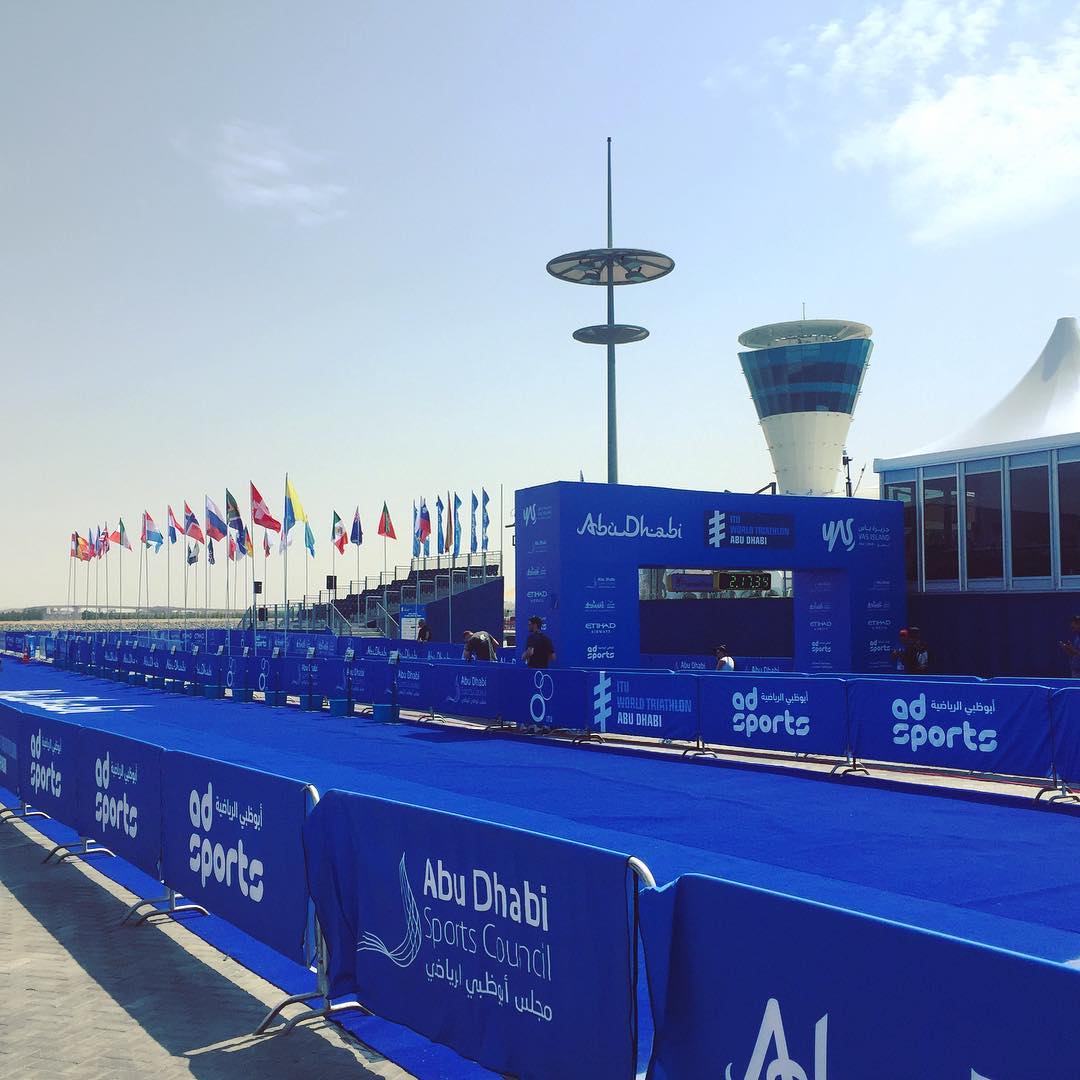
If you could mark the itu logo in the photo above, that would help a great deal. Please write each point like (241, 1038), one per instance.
(841, 530)
(717, 529)
(602, 700)
(545, 687)
(404, 954)
(771, 1059)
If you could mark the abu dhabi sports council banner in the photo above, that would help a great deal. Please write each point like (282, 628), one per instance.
(363, 681)
(470, 690)
(413, 681)
(981, 727)
(545, 697)
(47, 774)
(800, 715)
(231, 841)
(654, 706)
(756, 985)
(513, 948)
(117, 784)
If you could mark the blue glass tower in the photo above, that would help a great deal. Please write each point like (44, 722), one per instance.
(805, 378)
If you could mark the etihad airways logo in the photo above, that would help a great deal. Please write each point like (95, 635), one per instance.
(634, 526)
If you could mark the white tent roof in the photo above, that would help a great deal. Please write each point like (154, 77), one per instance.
(1042, 409)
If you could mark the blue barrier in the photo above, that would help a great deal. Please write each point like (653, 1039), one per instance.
(981, 727)
(513, 948)
(795, 989)
(698, 662)
(544, 697)
(10, 738)
(1065, 717)
(231, 841)
(117, 786)
(413, 683)
(761, 712)
(47, 766)
(363, 681)
(471, 690)
(652, 705)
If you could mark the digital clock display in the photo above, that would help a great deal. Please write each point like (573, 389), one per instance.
(743, 581)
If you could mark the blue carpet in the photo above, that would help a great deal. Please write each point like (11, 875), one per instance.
(1006, 875)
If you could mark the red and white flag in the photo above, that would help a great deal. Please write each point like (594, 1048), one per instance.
(260, 512)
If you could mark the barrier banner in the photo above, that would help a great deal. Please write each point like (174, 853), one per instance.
(700, 663)
(117, 784)
(470, 690)
(231, 841)
(413, 679)
(364, 681)
(240, 672)
(11, 722)
(179, 665)
(653, 705)
(206, 670)
(129, 659)
(47, 771)
(511, 947)
(299, 675)
(1065, 713)
(862, 998)
(548, 697)
(152, 660)
(805, 715)
(981, 727)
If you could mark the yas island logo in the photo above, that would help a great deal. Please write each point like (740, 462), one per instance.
(408, 950)
(602, 701)
(841, 530)
(717, 529)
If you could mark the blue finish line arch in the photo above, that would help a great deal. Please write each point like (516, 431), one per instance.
(580, 546)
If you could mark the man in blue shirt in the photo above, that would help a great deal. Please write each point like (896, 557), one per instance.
(1071, 648)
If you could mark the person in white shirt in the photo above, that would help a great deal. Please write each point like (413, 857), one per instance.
(724, 661)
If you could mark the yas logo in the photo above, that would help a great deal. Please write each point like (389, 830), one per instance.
(528, 514)
(841, 530)
(717, 533)
(602, 700)
(781, 1066)
(404, 954)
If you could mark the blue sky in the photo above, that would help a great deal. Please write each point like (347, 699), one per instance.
(256, 237)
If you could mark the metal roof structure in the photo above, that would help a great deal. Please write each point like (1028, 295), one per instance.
(1041, 411)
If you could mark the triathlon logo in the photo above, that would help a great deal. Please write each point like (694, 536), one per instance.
(841, 530)
(602, 700)
(545, 687)
(781, 1066)
(717, 529)
(404, 954)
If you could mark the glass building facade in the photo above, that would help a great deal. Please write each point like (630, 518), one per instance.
(1009, 522)
(820, 377)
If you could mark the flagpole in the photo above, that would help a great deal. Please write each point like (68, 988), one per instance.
(67, 595)
(120, 586)
(285, 539)
(109, 542)
(168, 571)
(138, 598)
(254, 606)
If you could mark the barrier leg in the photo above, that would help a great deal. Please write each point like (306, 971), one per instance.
(1061, 792)
(173, 909)
(77, 849)
(699, 748)
(322, 990)
(7, 813)
(848, 767)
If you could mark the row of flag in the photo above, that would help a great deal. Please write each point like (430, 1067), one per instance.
(448, 539)
(230, 528)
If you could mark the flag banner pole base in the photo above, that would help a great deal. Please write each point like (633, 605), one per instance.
(77, 849)
(173, 908)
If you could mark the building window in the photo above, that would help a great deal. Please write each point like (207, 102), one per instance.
(983, 522)
(940, 531)
(1069, 515)
(1029, 516)
(904, 492)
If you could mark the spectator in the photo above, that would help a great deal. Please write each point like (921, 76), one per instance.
(920, 653)
(1071, 647)
(724, 660)
(539, 649)
(423, 632)
(904, 657)
(478, 646)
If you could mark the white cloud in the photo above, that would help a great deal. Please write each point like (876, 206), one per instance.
(986, 149)
(258, 166)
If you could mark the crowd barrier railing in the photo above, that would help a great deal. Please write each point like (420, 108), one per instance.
(801, 989)
(987, 728)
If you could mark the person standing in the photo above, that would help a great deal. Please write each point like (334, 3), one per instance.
(724, 660)
(539, 648)
(423, 632)
(1071, 647)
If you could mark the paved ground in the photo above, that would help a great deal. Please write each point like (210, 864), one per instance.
(82, 997)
